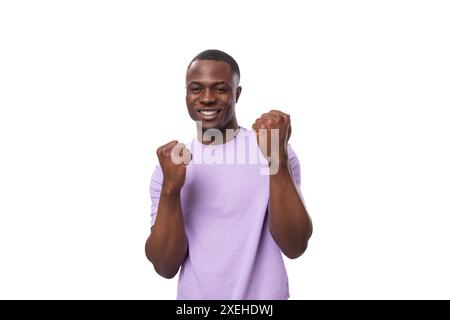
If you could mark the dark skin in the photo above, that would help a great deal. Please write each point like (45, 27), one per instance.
(289, 222)
(211, 85)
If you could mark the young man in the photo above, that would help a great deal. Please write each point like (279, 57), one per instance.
(215, 211)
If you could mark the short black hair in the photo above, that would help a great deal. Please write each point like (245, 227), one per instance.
(217, 55)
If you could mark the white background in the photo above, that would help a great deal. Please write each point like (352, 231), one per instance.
(90, 89)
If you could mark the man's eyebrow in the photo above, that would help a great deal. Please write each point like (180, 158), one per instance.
(212, 84)
(195, 82)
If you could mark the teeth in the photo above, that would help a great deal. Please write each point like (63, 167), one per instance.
(209, 113)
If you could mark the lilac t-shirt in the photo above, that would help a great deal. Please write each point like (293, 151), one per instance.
(224, 201)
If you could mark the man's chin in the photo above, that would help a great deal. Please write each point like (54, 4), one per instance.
(205, 125)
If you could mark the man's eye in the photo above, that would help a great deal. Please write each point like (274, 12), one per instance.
(194, 89)
(221, 90)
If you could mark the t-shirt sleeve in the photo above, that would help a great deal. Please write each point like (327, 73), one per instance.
(155, 191)
(295, 166)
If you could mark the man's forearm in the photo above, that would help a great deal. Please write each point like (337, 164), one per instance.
(167, 245)
(289, 221)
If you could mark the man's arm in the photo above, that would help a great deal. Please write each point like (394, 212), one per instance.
(167, 245)
(289, 222)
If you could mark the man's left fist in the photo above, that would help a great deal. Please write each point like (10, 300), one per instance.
(264, 127)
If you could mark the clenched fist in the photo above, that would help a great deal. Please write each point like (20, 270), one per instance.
(273, 143)
(173, 158)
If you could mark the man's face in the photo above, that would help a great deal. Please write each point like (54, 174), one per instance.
(211, 93)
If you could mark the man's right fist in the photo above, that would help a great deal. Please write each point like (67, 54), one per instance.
(173, 158)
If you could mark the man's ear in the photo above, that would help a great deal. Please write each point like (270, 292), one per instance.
(238, 93)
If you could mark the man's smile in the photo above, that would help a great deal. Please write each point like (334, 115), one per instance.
(208, 114)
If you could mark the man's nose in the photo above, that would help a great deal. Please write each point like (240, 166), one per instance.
(207, 97)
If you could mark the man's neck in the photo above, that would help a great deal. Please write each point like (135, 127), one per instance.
(219, 136)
